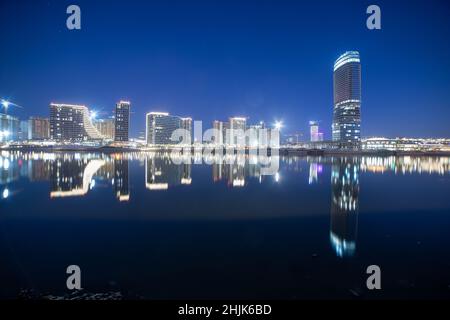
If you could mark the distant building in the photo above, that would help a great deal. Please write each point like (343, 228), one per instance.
(38, 128)
(237, 125)
(219, 126)
(122, 121)
(106, 127)
(186, 124)
(71, 123)
(314, 131)
(23, 130)
(347, 100)
(160, 126)
(9, 128)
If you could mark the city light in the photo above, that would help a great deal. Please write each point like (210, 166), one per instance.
(93, 115)
(5, 104)
(5, 193)
(278, 125)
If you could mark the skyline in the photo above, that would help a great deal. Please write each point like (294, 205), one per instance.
(214, 67)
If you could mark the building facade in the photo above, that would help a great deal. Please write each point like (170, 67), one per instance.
(38, 128)
(238, 126)
(122, 121)
(71, 123)
(9, 128)
(346, 125)
(159, 128)
(186, 124)
(106, 127)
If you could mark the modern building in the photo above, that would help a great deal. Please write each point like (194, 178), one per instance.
(38, 128)
(23, 130)
(106, 127)
(122, 121)
(346, 125)
(9, 127)
(160, 126)
(186, 124)
(71, 123)
(237, 128)
(314, 131)
(219, 126)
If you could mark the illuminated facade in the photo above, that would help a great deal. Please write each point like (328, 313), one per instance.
(72, 123)
(161, 125)
(314, 131)
(186, 124)
(346, 125)
(106, 127)
(38, 128)
(9, 128)
(237, 128)
(122, 121)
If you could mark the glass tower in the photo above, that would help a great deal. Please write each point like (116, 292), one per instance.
(347, 100)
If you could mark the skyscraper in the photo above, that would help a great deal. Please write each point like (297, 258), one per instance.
(38, 128)
(186, 124)
(347, 100)
(122, 121)
(71, 123)
(237, 128)
(160, 126)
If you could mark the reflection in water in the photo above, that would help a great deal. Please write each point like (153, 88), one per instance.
(75, 174)
(344, 205)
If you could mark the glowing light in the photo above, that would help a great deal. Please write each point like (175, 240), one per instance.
(93, 115)
(277, 177)
(5, 193)
(5, 104)
(278, 125)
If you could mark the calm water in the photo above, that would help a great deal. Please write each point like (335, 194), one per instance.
(144, 226)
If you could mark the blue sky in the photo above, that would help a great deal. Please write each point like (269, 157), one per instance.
(267, 60)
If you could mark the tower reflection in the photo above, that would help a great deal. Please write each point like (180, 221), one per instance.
(344, 205)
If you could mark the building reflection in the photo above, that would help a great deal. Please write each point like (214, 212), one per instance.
(121, 179)
(344, 205)
(161, 173)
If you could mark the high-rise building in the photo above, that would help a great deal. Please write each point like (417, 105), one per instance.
(38, 128)
(186, 124)
(106, 127)
(237, 127)
(159, 128)
(347, 100)
(71, 123)
(23, 130)
(122, 121)
(9, 127)
(219, 126)
(314, 130)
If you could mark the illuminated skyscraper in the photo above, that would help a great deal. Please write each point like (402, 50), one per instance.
(236, 132)
(38, 128)
(122, 121)
(186, 124)
(160, 126)
(106, 127)
(347, 100)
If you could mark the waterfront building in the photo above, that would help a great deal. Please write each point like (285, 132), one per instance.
(23, 130)
(9, 127)
(314, 131)
(38, 128)
(122, 121)
(237, 127)
(405, 144)
(219, 126)
(106, 127)
(71, 123)
(346, 127)
(159, 128)
(186, 124)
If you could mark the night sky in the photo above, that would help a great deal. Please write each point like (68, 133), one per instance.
(267, 60)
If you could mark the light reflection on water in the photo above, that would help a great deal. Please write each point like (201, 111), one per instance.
(151, 185)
